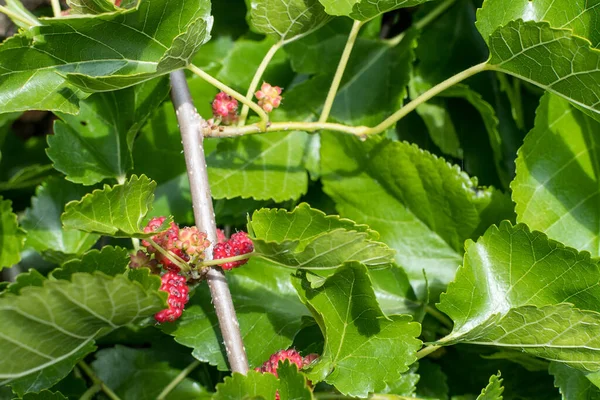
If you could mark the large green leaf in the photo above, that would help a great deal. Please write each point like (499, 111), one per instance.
(364, 10)
(287, 20)
(268, 311)
(426, 208)
(99, 53)
(253, 385)
(96, 144)
(141, 374)
(43, 225)
(48, 329)
(365, 351)
(268, 166)
(572, 383)
(11, 236)
(508, 291)
(552, 58)
(307, 238)
(115, 211)
(559, 195)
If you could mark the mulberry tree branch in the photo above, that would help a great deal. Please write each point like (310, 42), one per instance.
(189, 125)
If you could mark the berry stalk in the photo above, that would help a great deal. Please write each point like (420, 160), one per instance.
(190, 124)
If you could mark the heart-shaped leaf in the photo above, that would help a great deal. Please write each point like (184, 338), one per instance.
(509, 290)
(542, 183)
(96, 144)
(50, 328)
(99, 53)
(43, 225)
(11, 236)
(365, 351)
(115, 211)
(307, 238)
(287, 20)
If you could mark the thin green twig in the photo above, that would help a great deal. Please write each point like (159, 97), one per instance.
(226, 260)
(173, 257)
(16, 17)
(97, 381)
(434, 312)
(264, 119)
(427, 350)
(177, 380)
(339, 73)
(56, 8)
(256, 80)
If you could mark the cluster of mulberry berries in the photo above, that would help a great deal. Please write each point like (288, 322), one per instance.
(238, 244)
(269, 97)
(175, 285)
(270, 366)
(224, 108)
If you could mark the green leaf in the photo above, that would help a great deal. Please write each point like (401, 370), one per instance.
(493, 391)
(365, 351)
(115, 211)
(426, 208)
(99, 53)
(96, 144)
(268, 311)
(141, 374)
(292, 383)
(287, 20)
(26, 177)
(44, 395)
(577, 15)
(508, 291)
(542, 183)
(268, 166)
(572, 383)
(109, 260)
(307, 238)
(11, 236)
(90, 6)
(554, 59)
(25, 279)
(364, 10)
(43, 225)
(432, 381)
(48, 329)
(26, 18)
(253, 385)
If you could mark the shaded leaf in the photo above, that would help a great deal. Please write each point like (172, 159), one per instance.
(268, 311)
(253, 385)
(426, 207)
(493, 391)
(292, 383)
(109, 260)
(288, 19)
(90, 6)
(115, 211)
(25, 279)
(432, 381)
(141, 374)
(44, 395)
(11, 236)
(364, 10)
(50, 328)
(267, 166)
(365, 351)
(307, 238)
(558, 195)
(96, 144)
(572, 383)
(43, 225)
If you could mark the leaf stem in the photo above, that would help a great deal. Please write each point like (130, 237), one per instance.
(233, 131)
(339, 72)
(172, 257)
(56, 8)
(16, 17)
(236, 95)
(423, 22)
(226, 260)
(177, 380)
(427, 350)
(88, 394)
(434, 312)
(97, 381)
(437, 89)
(256, 79)
(190, 124)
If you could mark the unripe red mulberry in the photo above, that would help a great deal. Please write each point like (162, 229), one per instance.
(192, 242)
(269, 97)
(270, 366)
(224, 108)
(238, 244)
(175, 285)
